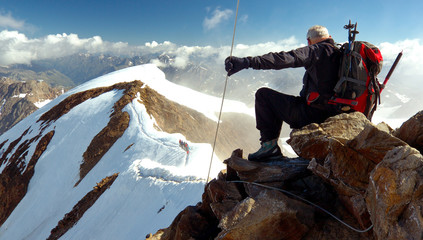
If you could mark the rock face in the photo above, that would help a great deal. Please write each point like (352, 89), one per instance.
(19, 99)
(395, 195)
(16, 176)
(347, 158)
(412, 131)
(366, 175)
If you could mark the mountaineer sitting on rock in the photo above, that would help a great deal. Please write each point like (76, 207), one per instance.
(321, 61)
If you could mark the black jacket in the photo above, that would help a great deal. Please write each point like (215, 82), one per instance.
(321, 61)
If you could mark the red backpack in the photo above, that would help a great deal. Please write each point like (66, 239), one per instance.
(358, 88)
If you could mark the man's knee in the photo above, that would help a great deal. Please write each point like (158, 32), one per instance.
(262, 92)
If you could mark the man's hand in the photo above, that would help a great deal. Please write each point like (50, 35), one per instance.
(235, 64)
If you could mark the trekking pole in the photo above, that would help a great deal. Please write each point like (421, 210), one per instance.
(223, 97)
(354, 32)
(394, 65)
(351, 34)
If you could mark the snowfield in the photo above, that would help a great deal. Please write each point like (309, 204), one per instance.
(156, 177)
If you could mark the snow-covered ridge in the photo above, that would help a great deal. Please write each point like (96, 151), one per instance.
(157, 177)
(155, 78)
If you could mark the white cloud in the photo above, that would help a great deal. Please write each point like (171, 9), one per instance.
(7, 21)
(262, 48)
(158, 63)
(16, 47)
(410, 64)
(217, 17)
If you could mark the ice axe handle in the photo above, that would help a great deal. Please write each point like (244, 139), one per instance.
(392, 69)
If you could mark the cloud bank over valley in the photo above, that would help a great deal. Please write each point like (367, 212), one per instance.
(17, 48)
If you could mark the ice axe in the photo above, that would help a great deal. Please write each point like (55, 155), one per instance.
(382, 86)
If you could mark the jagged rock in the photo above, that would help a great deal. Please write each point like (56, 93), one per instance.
(72, 217)
(268, 172)
(385, 127)
(360, 172)
(395, 195)
(197, 222)
(374, 142)
(223, 196)
(312, 141)
(15, 177)
(328, 228)
(348, 156)
(271, 215)
(189, 224)
(411, 131)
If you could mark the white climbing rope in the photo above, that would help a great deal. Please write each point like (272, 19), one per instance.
(223, 97)
(258, 184)
(307, 201)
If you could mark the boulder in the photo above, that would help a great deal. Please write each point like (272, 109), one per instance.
(395, 195)
(189, 224)
(374, 142)
(349, 169)
(344, 158)
(312, 141)
(270, 215)
(351, 162)
(276, 171)
(223, 196)
(411, 131)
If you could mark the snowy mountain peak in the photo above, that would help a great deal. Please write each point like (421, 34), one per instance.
(144, 138)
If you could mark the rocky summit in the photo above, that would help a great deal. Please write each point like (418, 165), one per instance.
(352, 180)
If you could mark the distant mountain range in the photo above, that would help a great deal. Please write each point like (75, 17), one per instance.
(21, 98)
(55, 75)
(69, 71)
(203, 75)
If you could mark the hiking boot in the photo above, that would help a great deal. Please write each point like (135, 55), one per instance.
(268, 151)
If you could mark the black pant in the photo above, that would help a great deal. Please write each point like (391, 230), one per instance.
(273, 108)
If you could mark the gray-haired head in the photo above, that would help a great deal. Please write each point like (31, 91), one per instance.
(317, 32)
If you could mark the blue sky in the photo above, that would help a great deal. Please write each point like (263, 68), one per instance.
(184, 22)
(201, 30)
(193, 29)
